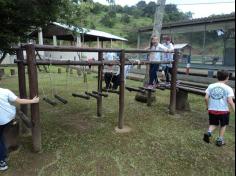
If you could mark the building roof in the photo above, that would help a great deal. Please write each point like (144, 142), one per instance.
(65, 32)
(181, 46)
(198, 21)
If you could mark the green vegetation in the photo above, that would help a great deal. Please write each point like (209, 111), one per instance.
(125, 21)
(76, 142)
(19, 18)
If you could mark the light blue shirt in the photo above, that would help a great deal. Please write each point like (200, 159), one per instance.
(168, 56)
(157, 56)
(7, 111)
(218, 96)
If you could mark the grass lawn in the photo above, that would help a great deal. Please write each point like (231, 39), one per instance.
(77, 143)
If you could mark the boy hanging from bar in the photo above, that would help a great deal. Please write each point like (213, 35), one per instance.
(7, 114)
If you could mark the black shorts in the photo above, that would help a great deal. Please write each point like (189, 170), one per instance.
(217, 120)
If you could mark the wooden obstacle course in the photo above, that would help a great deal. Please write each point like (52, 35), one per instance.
(32, 64)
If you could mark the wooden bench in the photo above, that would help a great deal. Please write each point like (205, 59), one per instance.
(183, 89)
(182, 102)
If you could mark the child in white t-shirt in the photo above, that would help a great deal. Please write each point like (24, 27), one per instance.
(7, 114)
(167, 68)
(155, 56)
(218, 98)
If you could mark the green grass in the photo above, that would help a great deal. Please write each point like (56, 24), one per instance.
(76, 142)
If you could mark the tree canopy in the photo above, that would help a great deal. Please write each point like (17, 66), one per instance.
(20, 17)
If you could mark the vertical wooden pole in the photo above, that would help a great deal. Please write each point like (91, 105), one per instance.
(149, 98)
(100, 75)
(173, 83)
(22, 87)
(33, 87)
(122, 90)
(138, 41)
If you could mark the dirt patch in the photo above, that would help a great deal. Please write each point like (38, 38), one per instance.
(79, 123)
(30, 164)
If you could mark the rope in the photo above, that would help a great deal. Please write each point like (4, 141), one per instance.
(50, 77)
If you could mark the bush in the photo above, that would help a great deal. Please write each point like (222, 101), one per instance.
(125, 19)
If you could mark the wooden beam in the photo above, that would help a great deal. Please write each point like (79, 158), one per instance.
(33, 87)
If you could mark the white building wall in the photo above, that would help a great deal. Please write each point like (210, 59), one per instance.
(70, 55)
(9, 59)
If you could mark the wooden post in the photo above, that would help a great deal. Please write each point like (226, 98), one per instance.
(182, 102)
(2, 72)
(122, 90)
(33, 87)
(59, 70)
(138, 41)
(22, 87)
(13, 72)
(71, 71)
(173, 83)
(67, 69)
(149, 97)
(100, 73)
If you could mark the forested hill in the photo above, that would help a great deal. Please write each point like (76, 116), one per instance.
(123, 21)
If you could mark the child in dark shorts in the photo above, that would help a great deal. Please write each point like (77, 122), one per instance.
(218, 98)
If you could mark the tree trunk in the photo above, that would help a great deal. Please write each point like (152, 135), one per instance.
(158, 18)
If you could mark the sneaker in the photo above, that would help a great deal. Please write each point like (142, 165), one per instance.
(207, 137)
(3, 166)
(150, 86)
(220, 142)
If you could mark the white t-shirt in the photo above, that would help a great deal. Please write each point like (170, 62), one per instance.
(127, 69)
(110, 56)
(219, 94)
(168, 56)
(7, 111)
(156, 56)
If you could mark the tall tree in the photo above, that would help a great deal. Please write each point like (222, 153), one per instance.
(19, 18)
(158, 19)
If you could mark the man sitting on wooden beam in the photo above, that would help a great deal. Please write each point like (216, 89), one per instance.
(112, 74)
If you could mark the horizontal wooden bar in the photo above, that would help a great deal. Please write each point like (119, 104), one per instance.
(93, 63)
(193, 85)
(25, 119)
(147, 51)
(111, 91)
(191, 90)
(131, 89)
(86, 97)
(70, 49)
(64, 101)
(147, 89)
(92, 95)
(51, 102)
(100, 94)
(79, 49)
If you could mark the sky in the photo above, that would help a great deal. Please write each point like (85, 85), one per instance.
(199, 11)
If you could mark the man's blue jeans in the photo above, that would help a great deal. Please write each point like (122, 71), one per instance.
(3, 150)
